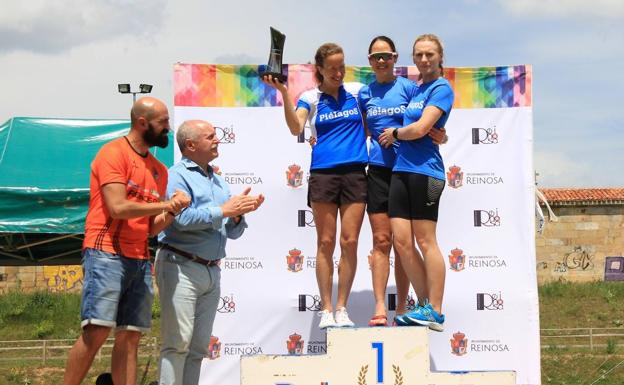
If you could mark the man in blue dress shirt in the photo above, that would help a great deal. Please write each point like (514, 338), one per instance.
(187, 261)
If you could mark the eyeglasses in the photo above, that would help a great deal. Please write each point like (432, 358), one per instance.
(382, 55)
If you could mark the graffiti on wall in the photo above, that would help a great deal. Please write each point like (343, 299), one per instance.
(63, 278)
(579, 259)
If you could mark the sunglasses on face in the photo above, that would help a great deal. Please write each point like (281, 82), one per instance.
(382, 55)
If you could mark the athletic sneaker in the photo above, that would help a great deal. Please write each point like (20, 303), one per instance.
(426, 316)
(400, 319)
(327, 319)
(342, 319)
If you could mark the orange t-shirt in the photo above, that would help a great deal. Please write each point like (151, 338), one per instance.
(145, 179)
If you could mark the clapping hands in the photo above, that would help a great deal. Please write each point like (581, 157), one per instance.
(242, 204)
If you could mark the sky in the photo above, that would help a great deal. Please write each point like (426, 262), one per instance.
(64, 58)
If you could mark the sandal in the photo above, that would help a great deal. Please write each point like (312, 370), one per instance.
(378, 320)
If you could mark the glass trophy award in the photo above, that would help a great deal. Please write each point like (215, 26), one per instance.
(274, 67)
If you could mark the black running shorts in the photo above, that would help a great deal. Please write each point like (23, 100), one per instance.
(378, 179)
(414, 196)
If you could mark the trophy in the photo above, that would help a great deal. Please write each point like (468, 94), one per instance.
(274, 67)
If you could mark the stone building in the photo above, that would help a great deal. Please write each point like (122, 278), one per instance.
(586, 242)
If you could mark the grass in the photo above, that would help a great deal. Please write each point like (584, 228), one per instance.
(582, 305)
(43, 315)
(24, 373)
(573, 305)
(39, 315)
(581, 368)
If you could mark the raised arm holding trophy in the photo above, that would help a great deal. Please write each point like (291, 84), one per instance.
(274, 67)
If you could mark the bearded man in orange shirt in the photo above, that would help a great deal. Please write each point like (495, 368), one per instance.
(126, 206)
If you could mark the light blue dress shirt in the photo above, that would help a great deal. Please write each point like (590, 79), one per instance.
(201, 228)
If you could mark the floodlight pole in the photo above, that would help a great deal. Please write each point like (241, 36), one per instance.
(125, 89)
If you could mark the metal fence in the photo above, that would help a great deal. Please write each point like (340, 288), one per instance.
(581, 338)
(46, 351)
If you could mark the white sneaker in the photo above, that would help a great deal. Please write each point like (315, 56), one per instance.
(327, 319)
(342, 319)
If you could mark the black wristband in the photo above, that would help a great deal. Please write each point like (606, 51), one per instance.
(171, 213)
(395, 133)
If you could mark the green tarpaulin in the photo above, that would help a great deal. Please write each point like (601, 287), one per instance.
(44, 179)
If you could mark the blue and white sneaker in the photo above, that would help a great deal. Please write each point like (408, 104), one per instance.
(425, 316)
(400, 319)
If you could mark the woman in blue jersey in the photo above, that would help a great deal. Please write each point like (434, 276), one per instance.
(418, 181)
(337, 183)
(383, 104)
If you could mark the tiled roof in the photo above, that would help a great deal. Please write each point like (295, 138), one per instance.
(584, 196)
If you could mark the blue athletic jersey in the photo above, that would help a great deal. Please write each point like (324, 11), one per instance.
(337, 126)
(422, 156)
(384, 105)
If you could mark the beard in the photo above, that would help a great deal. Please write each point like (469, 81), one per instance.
(153, 139)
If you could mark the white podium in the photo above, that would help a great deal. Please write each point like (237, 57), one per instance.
(364, 356)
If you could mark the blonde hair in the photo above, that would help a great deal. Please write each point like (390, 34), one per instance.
(436, 40)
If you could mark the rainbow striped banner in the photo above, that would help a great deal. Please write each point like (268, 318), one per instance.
(212, 85)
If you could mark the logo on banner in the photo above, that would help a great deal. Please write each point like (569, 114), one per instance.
(294, 345)
(483, 178)
(244, 178)
(242, 263)
(241, 348)
(294, 176)
(392, 297)
(484, 135)
(216, 169)
(316, 347)
(457, 260)
(309, 302)
(489, 301)
(488, 346)
(294, 260)
(305, 218)
(214, 348)
(455, 177)
(459, 344)
(225, 134)
(311, 262)
(410, 302)
(226, 304)
(486, 218)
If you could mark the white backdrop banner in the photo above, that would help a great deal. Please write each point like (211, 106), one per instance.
(270, 300)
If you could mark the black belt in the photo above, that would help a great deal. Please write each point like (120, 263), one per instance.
(192, 257)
